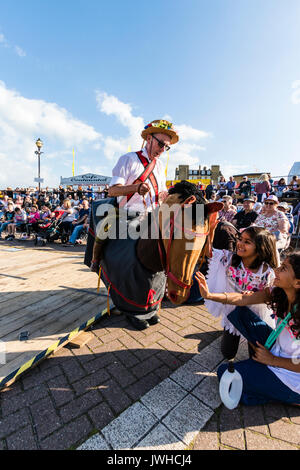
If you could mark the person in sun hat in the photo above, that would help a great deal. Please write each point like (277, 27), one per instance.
(247, 216)
(274, 220)
(157, 136)
(139, 181)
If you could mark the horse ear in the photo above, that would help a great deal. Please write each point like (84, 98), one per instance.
(190, 200)
(214, 207)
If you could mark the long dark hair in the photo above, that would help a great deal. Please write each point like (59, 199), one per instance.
(279, 301)
(265, 246)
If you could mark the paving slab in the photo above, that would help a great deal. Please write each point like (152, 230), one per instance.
(188, 418)
(160, 438)
(130, 427)
(164, 397)
(189, 375)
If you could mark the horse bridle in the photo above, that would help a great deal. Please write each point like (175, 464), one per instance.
(165, 264)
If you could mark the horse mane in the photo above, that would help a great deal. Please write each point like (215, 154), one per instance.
(185, 189)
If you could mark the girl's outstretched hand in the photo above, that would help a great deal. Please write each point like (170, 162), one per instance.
(202, 284)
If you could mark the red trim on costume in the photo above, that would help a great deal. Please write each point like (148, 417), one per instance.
(147, 173)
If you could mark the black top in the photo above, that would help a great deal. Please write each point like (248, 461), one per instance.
(245, 188)
(244, 220)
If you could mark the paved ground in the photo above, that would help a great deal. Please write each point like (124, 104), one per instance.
(77, 393)
(158, 386)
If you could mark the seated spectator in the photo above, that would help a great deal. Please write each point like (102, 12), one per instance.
(230, 186)
(247, 216)
(19, 221)
(80, 224)
(294, 184)
(27, 202)
(68, 217)
(76, 200)
(9, 215)
(263, 188)
(274, 220)
(104, 193)
(245, 188)
(213, 196)
(55, 202)
(221, 187)
(5, 201)
(19, 201)
(286, 209)
(228, 211)
(10, 192)
(32, 220)
(281, 187)
(210, 188)
(45, 214)
(79, 192)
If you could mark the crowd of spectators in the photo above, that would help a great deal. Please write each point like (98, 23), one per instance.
(259, 204)
(23, 210)
(245, 204)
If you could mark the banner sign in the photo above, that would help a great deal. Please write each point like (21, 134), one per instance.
(87, 179)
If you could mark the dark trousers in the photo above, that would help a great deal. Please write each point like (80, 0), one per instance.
(260, 384)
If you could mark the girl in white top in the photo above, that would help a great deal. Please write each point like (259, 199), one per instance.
(273, 372)
(250, 269)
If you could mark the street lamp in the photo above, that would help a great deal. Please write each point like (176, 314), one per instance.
(38, 152)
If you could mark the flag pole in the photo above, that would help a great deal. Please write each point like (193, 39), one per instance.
(73, 165)
(166, 170)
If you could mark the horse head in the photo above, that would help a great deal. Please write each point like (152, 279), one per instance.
(187, 223)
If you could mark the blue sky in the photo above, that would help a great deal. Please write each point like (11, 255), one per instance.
(89, 74)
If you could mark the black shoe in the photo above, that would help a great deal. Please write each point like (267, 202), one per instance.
(153, 320)
(138, 324)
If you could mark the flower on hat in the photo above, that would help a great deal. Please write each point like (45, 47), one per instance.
(162, 124)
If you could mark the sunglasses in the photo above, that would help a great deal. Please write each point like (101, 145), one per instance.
(161, 144)
(269, 203)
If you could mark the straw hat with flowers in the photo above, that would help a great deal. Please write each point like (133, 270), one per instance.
(160, 126)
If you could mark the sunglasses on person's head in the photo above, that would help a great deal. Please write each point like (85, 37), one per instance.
(161, 143)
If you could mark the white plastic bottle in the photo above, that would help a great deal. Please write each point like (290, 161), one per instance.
(231, 387)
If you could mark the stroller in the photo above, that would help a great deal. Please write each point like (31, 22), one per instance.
(51, 230)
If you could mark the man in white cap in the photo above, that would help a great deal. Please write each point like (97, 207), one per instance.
(137, 191)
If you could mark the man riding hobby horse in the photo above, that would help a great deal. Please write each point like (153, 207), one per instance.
(137, 270)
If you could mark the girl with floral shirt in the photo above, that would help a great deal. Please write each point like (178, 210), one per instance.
(250, 269)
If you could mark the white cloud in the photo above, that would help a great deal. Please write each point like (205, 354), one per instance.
(22, 121)
(189, 133)
(295, 98)
(112, 106)
(20, 51)
(17, 49)
(3, 40)
(187, 151)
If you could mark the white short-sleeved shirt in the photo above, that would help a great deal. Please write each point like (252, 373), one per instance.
(287, 346)
(128, 169)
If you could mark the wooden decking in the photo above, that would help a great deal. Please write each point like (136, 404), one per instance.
(48, 292)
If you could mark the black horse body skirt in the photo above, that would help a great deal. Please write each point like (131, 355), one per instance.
(133, 289)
